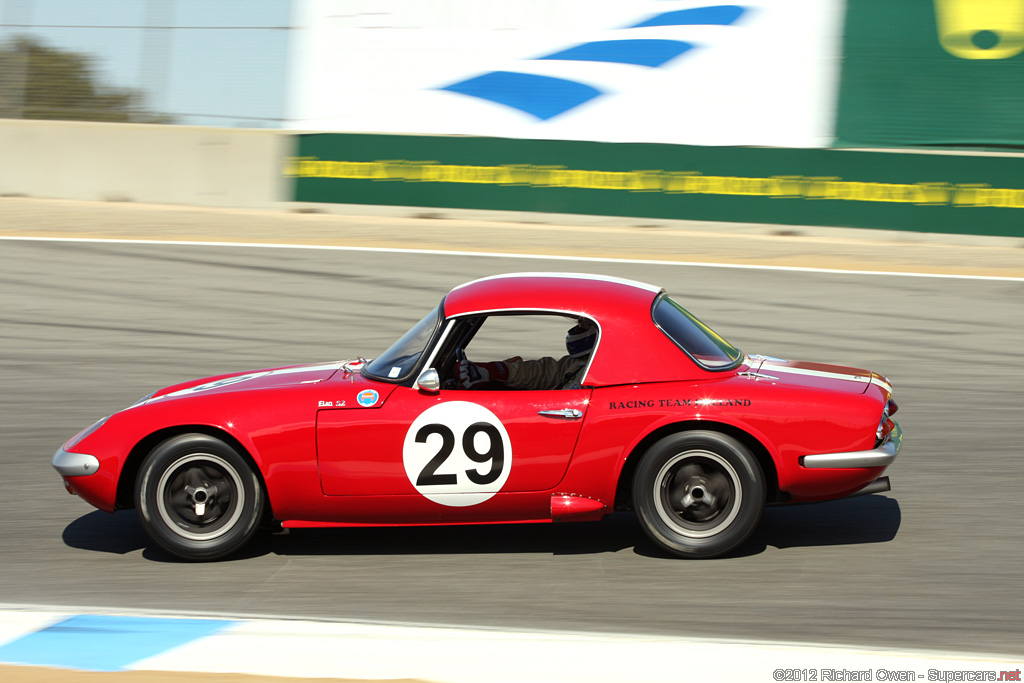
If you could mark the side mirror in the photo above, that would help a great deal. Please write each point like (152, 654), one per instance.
(429, 382)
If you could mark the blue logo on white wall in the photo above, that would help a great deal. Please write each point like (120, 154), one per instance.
(546, 97)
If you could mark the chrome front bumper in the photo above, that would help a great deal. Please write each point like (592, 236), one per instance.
(75, 464)
(883, 456)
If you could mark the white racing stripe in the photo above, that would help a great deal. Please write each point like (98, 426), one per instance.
(884, 385)
(568, 276)
(768, 367)
(860, 379)
(238, 379)
(490, 254)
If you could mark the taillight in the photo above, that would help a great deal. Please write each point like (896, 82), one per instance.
(885, 425)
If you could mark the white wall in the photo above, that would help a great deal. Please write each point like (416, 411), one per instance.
(144, 163)
(762, 73)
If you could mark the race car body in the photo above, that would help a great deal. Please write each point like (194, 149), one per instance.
(663, 417)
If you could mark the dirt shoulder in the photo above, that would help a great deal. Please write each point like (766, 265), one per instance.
(390, 227)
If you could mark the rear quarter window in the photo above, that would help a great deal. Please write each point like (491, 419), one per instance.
(705, 346)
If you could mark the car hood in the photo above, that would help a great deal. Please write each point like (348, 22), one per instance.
(256, 379)
(817, 375)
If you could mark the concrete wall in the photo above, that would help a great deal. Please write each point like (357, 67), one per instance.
(219, 167)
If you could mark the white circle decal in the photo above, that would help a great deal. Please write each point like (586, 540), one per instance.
(457, 453)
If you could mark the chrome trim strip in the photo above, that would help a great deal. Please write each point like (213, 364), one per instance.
(446, 327)
(75, 464)
(883, 456)
(766, 359)
(756, 375)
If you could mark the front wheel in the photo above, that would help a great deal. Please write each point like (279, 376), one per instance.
(198, 498)
(698, 494)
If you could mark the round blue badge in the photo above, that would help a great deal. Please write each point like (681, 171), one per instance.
(367, 398)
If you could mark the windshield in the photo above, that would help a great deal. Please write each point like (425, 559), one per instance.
(698, 340)
(398, 362)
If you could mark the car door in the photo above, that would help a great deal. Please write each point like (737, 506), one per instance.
(455, 445)
(461, 445)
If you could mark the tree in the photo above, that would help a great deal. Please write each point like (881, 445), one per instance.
(40, 82)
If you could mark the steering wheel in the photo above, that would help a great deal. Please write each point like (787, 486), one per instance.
(453, 381)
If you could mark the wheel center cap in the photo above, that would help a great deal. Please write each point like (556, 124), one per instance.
(696, 492)
(201, 496)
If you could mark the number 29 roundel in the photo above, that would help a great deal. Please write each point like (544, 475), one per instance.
(457, 454)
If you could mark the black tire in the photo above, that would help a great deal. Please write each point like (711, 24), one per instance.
(198, 498)
(698, 494)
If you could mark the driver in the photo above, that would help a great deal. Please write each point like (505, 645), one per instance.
(543, 373)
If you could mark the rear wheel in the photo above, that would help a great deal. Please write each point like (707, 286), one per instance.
(198, 498)
(698, 494)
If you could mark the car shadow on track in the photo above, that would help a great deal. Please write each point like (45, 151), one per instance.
(868, 519)
(119, 533)
(850, 521)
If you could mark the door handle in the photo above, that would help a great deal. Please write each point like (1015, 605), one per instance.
(569, 413)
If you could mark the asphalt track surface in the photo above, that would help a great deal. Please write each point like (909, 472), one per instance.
(938, 563)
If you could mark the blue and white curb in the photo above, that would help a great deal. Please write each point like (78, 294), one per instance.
(98, 641)
(95, 642)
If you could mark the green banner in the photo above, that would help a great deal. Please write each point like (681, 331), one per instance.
(843, 188)
(932, 72)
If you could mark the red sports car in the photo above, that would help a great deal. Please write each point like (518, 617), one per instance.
(531, 397)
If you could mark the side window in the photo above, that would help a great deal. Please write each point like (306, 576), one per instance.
(527, 336)
(517, 352)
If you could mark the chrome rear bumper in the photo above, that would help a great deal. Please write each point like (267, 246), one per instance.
(883, 456)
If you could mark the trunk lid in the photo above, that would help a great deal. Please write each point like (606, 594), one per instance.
(817, 375)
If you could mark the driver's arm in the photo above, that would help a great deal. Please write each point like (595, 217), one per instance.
(516, 373)
(543, 373)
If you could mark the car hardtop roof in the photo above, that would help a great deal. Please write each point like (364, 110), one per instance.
(570, 292)
(622, 308)
(607, 279)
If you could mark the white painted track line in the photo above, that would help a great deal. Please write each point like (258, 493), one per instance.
(502, 255)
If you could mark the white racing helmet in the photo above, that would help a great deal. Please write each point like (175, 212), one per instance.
(580, 340)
